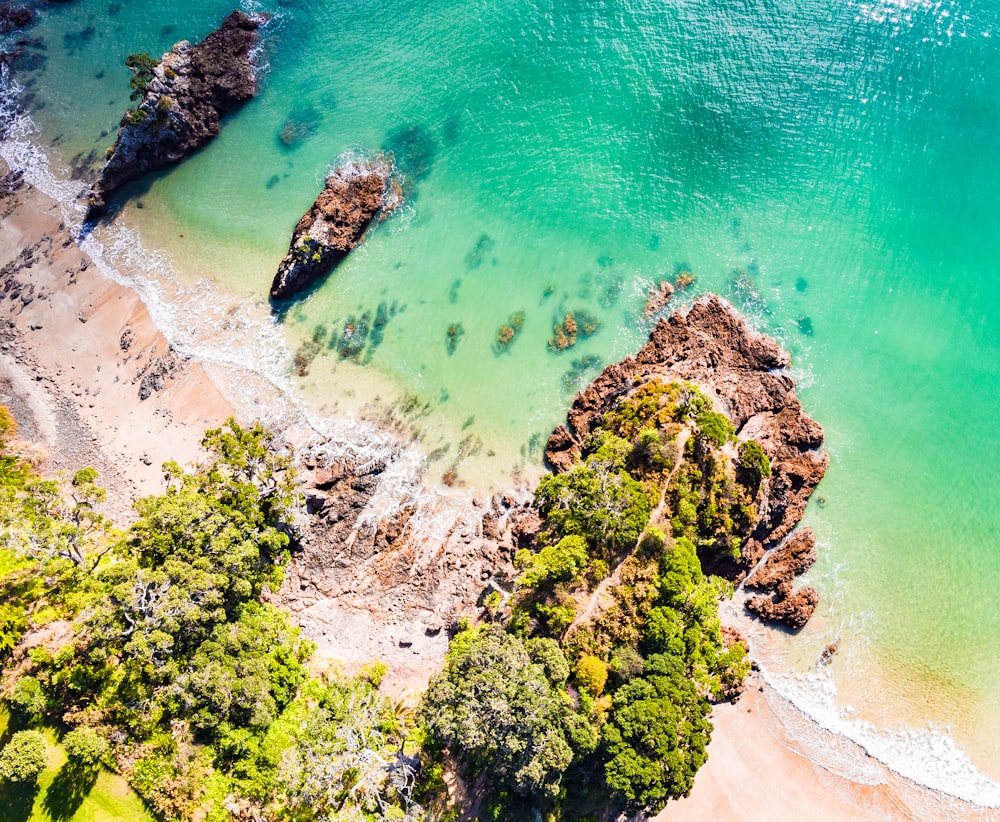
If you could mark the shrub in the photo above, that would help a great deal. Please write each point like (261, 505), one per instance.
(562, 562)
(715, 427)
(591, 675)
(13, 623)
(84, 746)
(753, 466)
(27, 700)
(23, 758)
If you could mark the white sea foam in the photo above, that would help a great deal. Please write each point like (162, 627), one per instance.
(926, 756)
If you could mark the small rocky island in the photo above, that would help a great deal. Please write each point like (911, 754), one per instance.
(745, 375)
(354, 195)
(182, 100)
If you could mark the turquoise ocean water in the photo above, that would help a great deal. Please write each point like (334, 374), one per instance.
(832, 167)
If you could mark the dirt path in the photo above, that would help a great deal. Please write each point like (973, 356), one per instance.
(594, 605)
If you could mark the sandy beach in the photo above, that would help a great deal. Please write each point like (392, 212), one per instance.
(769, 761)
(92, 380)
(87, 374)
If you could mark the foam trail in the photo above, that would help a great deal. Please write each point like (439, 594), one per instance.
(928, 757)
(198, 319)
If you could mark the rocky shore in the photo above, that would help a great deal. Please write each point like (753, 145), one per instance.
(355, 195)
(746, 375)
(184, 98)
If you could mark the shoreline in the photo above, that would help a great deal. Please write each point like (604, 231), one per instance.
(81, 396)
(769, 760)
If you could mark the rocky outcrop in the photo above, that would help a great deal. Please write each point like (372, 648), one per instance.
(183, 103)
(712, 345)
(658, 299)
(410, 562)
(746, 374)
(787, 606)
(14, 17)
(794, 556)
(354, 196)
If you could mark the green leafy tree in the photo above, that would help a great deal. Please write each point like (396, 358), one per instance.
(563, 562)
(244, 674)
(27, 699)
(58, 520)
(13, 623)
(141, 65)
(657, 735)
(24, 758)
(497, 712)
(347, 760)
(599, 501)
(85, 747)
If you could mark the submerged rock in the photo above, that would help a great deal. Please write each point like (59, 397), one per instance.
(354, 195)
(14, 17)
(184, 98)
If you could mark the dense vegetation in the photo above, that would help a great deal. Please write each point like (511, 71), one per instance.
(592, 689)
(150, 652)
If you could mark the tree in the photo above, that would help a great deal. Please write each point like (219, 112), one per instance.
(599, 501)
(563, 562)
(657, 736)
(348, 759)
(497, 712)
(141, 65)
(85, 747)
(23, 758)
(27, 699)
(55, 519)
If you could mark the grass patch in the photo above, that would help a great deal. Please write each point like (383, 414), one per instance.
(65, 794)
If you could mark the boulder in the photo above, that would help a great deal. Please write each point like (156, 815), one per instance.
(354, 195)
(790, 608)
(14, 17)
(794, 556)
(183, 102)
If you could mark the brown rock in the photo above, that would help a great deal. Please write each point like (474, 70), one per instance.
(562, 450)
(795, 556)
(791, 608)
(14, 17)
(658, 298)
(182, 107)
(335, 224)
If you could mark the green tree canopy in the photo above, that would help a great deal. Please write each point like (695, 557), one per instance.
(23, 758)
(496, 710)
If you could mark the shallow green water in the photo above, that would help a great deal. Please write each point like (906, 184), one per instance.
(831, 161)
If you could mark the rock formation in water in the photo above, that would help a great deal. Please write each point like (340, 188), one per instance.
(414, 567)
(354, 195)
(14, 17)
(746, 373)
(184, 98)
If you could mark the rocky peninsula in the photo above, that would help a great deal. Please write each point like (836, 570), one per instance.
(182, 100)
(746, 375)
(355, 195)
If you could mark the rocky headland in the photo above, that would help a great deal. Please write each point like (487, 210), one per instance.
(355, 195)
(183, 100)
(745, 373)
(400, 573)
